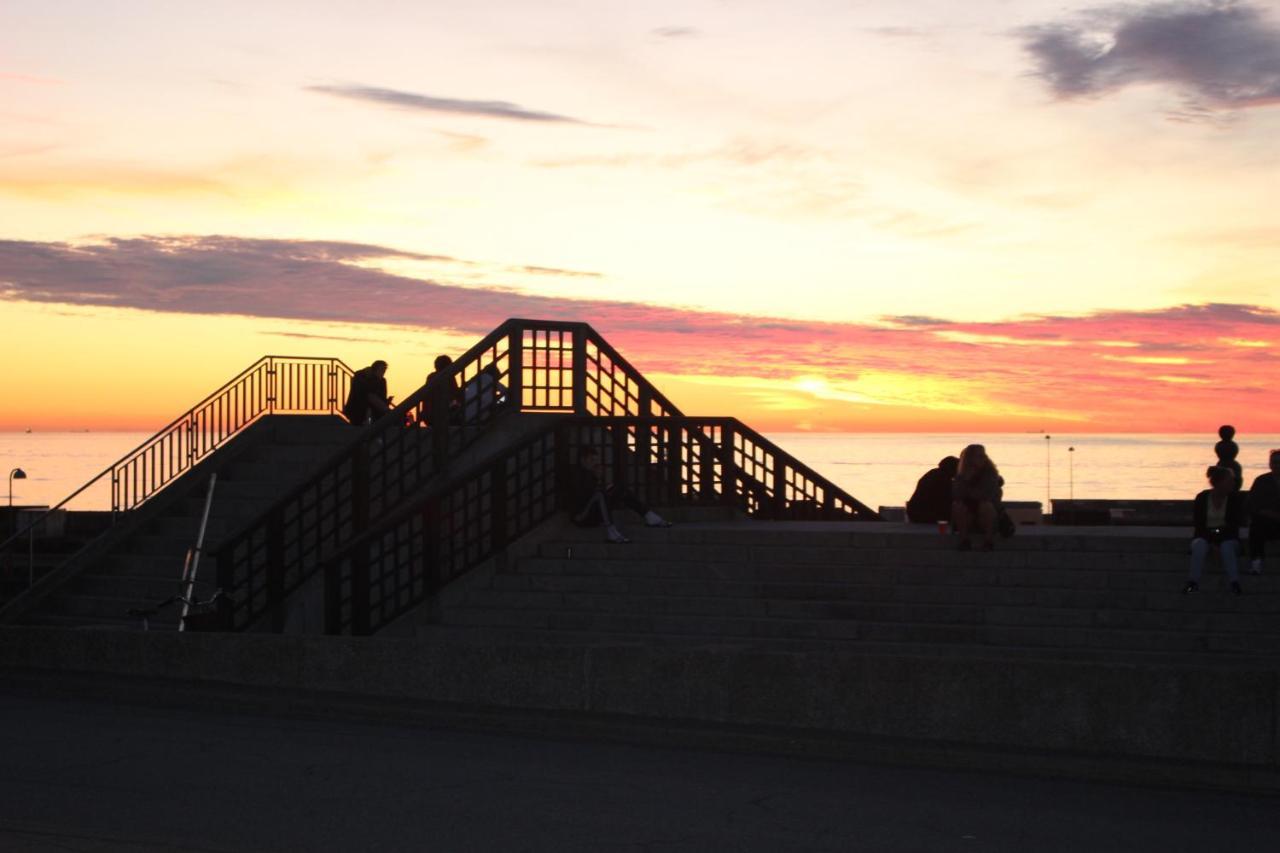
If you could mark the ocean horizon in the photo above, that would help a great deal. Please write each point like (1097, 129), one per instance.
(879, 469)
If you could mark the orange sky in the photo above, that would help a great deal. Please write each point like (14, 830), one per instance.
(811, 215)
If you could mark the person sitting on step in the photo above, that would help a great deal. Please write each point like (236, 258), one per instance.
(1264, 512)
(1216, 516)
(976, 493)
(931, 501)
(591, 500)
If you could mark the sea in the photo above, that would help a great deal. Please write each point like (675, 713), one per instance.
(879, 469)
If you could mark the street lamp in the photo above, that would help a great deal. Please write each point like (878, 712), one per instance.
(1071, 471)
(1048, 478)
(15, 474)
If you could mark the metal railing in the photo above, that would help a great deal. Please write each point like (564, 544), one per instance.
(400, 562)
(271, 385)
(537, 366)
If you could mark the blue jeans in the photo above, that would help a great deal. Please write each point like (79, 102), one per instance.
(1230, 550)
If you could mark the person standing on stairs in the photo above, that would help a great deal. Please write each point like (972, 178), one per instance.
(591, 500)
(1216, 515)
(367, 400)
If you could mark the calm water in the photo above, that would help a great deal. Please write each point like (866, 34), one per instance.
(878, 469)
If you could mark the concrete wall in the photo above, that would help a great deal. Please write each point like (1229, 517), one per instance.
(1183, 725)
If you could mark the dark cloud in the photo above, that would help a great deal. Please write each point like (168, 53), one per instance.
(1220, 55)
(431, 103)
(677, 32)
(1045, 363)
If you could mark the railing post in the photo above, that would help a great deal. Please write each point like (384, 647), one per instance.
(275, 571)
(360, 556)
(728, 467)
(515, 369)
(707, 453)
(779, 488)
(498, 505)
(579, 370)
(271, 385)
(333, 386)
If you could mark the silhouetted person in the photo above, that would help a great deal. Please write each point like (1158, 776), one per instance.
(591, 500)
(368, 395)
(443, 398)
(1227, 451)
(1216, 518)
(931, 501)
(482, 396)
(1264, 512)
(976, 493)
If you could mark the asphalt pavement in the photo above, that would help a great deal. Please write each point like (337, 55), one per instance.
(98, 775)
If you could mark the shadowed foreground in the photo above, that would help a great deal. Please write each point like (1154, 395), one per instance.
(93, 775)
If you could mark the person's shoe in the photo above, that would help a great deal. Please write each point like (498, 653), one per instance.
(1191, 587)
(1235, 588)
(1255, 567)
(964, 545)
(652, 519)
(614, 536)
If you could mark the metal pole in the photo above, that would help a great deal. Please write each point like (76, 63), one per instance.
(1071, 471)
(1048, 478)
(189, 579)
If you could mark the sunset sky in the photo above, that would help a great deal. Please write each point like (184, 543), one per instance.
(917, 215)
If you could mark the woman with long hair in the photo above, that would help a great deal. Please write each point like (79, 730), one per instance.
(976, 493)
(1216, 516)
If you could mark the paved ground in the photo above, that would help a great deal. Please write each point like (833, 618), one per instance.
(91, 775)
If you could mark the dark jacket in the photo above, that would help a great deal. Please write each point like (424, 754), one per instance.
(1230, 528)
(364, 382)
(1265, 495)
(931, 500)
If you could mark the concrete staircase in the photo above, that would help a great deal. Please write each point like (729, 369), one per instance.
(1079, 594)
(140, 564)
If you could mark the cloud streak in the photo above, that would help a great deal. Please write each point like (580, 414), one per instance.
(1220, 55)
(398, 99)
(1157, 370)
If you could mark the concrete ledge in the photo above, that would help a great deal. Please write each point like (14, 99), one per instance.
(1186, 726)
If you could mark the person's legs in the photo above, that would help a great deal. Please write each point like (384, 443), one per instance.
(594, 512)
(1199, 550)
(987, 523)
(633, 503)
(1260, 530)
(1230, 551)
(961, 518)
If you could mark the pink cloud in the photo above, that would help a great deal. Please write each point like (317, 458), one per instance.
(1182, 367)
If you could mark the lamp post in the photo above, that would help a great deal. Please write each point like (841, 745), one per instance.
(1048, 478)
(1071, 472)
(15, 474)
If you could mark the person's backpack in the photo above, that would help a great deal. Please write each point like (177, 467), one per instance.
(1005, 525)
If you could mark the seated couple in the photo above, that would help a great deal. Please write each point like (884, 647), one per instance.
(969, 491)
(592, 501)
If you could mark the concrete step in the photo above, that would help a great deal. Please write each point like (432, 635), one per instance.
(110, 608)
(1188, 617)
(138, 588)
(1094, 597)
(1170, 578)
(849, 630)
(56, 620)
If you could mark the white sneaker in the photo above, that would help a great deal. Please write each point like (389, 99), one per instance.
(614, 536)
(1255, 568)
(652, 519)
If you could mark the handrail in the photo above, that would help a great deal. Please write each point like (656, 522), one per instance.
(192, 436)
(400, 562)
(545, 365)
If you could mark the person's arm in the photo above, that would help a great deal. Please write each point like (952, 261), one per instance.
(1199, 513)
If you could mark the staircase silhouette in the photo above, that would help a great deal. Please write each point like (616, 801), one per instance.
(305, 507)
